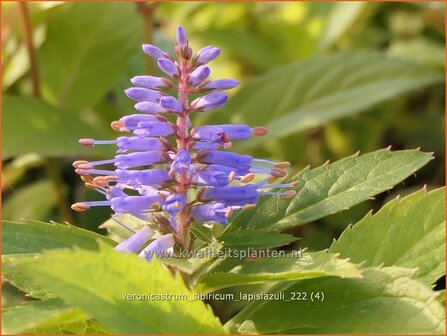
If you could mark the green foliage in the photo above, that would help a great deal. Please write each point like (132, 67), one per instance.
(34, 315)
(332, 188)
(329, 88)
(84, 44)
(107, 278)
(34, 237)
(37, 207)
(255, 239)
(385, 301)
(292, 267)
(408, 232)
(43, 129)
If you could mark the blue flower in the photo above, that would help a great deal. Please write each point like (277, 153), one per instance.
(160, 159)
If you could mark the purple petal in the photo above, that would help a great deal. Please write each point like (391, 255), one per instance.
(221, 84)
(154, 51)
(171, 104)
(182, 39)
(210, 101)
(168, 67)
(136, 241)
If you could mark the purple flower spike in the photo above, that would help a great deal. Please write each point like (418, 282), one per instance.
(171, 104)
(154, 51)
(198, 75)
(141, 94)
(210, 101)
(136, 241)
(169, 175)
(221, 84)
(182, 39)
(206, 55)
(158, 247)
(168, 67)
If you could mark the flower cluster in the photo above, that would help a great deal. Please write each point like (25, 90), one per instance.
(169, 174)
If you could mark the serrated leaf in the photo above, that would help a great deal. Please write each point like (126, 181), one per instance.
(408, 232)
(99, 282)
(291, 267)
(20, 280)
(33, 314)
(310, 93)
(84, 52)
(255, 239)
(331, 188)
(386, 301)
(34, 237)
(86, 327)
(204, 233)
(43, 129)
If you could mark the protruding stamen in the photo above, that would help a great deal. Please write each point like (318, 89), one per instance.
(118, 126)
(248, 178)
(228, 213)
(87, 142)
(231, 176)
(86, 178)
(288, 194)
(79, 207)
(278, 172)
(100, 181)
(259, 131)
(79, 163)
(249, 206)
(282, 165)
(228, 145)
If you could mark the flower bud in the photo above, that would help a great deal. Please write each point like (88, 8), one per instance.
(168, 67)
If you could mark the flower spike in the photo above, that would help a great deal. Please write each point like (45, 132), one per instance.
(160, 158)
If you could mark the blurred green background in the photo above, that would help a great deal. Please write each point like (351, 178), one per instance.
(328, 79)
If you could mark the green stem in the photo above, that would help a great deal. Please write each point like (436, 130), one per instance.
(52, 165)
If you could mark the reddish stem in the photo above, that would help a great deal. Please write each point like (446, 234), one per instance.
(182, 143)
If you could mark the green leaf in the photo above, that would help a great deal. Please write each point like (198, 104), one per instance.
(343, 16)
(255, 239)
(20, 280)
(100, 283)
(85, 52)
(32, 126)
(204, 233)
(290, 267)
(86, 327)
(331, 188)
(408, 232)
(30, 315)
(34, 236)
(36, 206)
(307, 94)
(386, 301)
